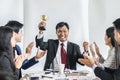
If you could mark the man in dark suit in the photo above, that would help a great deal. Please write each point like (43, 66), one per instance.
(17, 28)
(54, 47)
(105, 73)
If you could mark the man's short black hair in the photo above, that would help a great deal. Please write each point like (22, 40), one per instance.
(117, 24)
(61, 24)
(15, 25)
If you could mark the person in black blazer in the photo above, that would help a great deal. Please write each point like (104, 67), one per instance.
(53, 47)
(7, 61)
(6, 76)
(105, 73)
(17, 28)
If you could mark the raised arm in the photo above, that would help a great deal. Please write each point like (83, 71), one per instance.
(39, 37)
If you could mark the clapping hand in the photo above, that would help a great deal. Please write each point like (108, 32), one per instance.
(97, 50)
(19, 60)
(87, 60)
(92, 50)
(29, 48)
(40, 53)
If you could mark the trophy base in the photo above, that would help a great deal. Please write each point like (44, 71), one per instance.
(42, 28)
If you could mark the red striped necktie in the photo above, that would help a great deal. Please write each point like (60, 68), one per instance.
(63, 56)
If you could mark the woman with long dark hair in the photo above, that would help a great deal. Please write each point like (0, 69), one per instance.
(110, 42)
(7, 61)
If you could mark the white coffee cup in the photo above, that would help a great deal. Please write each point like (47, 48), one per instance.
(61, 68)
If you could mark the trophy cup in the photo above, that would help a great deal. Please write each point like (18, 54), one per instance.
(42, 24)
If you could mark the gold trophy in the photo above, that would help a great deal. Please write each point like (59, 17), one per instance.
(42, 24)
(44, 17)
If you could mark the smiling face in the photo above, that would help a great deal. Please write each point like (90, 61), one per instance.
(107, 40)
(13, 41)
(19, 35)
(62, 33)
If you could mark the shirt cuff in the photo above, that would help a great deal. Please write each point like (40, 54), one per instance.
(103, 68)
(36, 59)
(94, 66)
(39, 36)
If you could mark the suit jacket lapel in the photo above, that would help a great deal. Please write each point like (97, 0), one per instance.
(56, 47)
(69, 48)
(69, 51)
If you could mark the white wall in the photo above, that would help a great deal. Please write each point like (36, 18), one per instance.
(87, 22)
(11, 10)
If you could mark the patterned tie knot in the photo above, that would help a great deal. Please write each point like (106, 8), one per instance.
(62, 44)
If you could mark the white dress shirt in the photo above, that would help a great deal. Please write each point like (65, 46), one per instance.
(57, 59)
